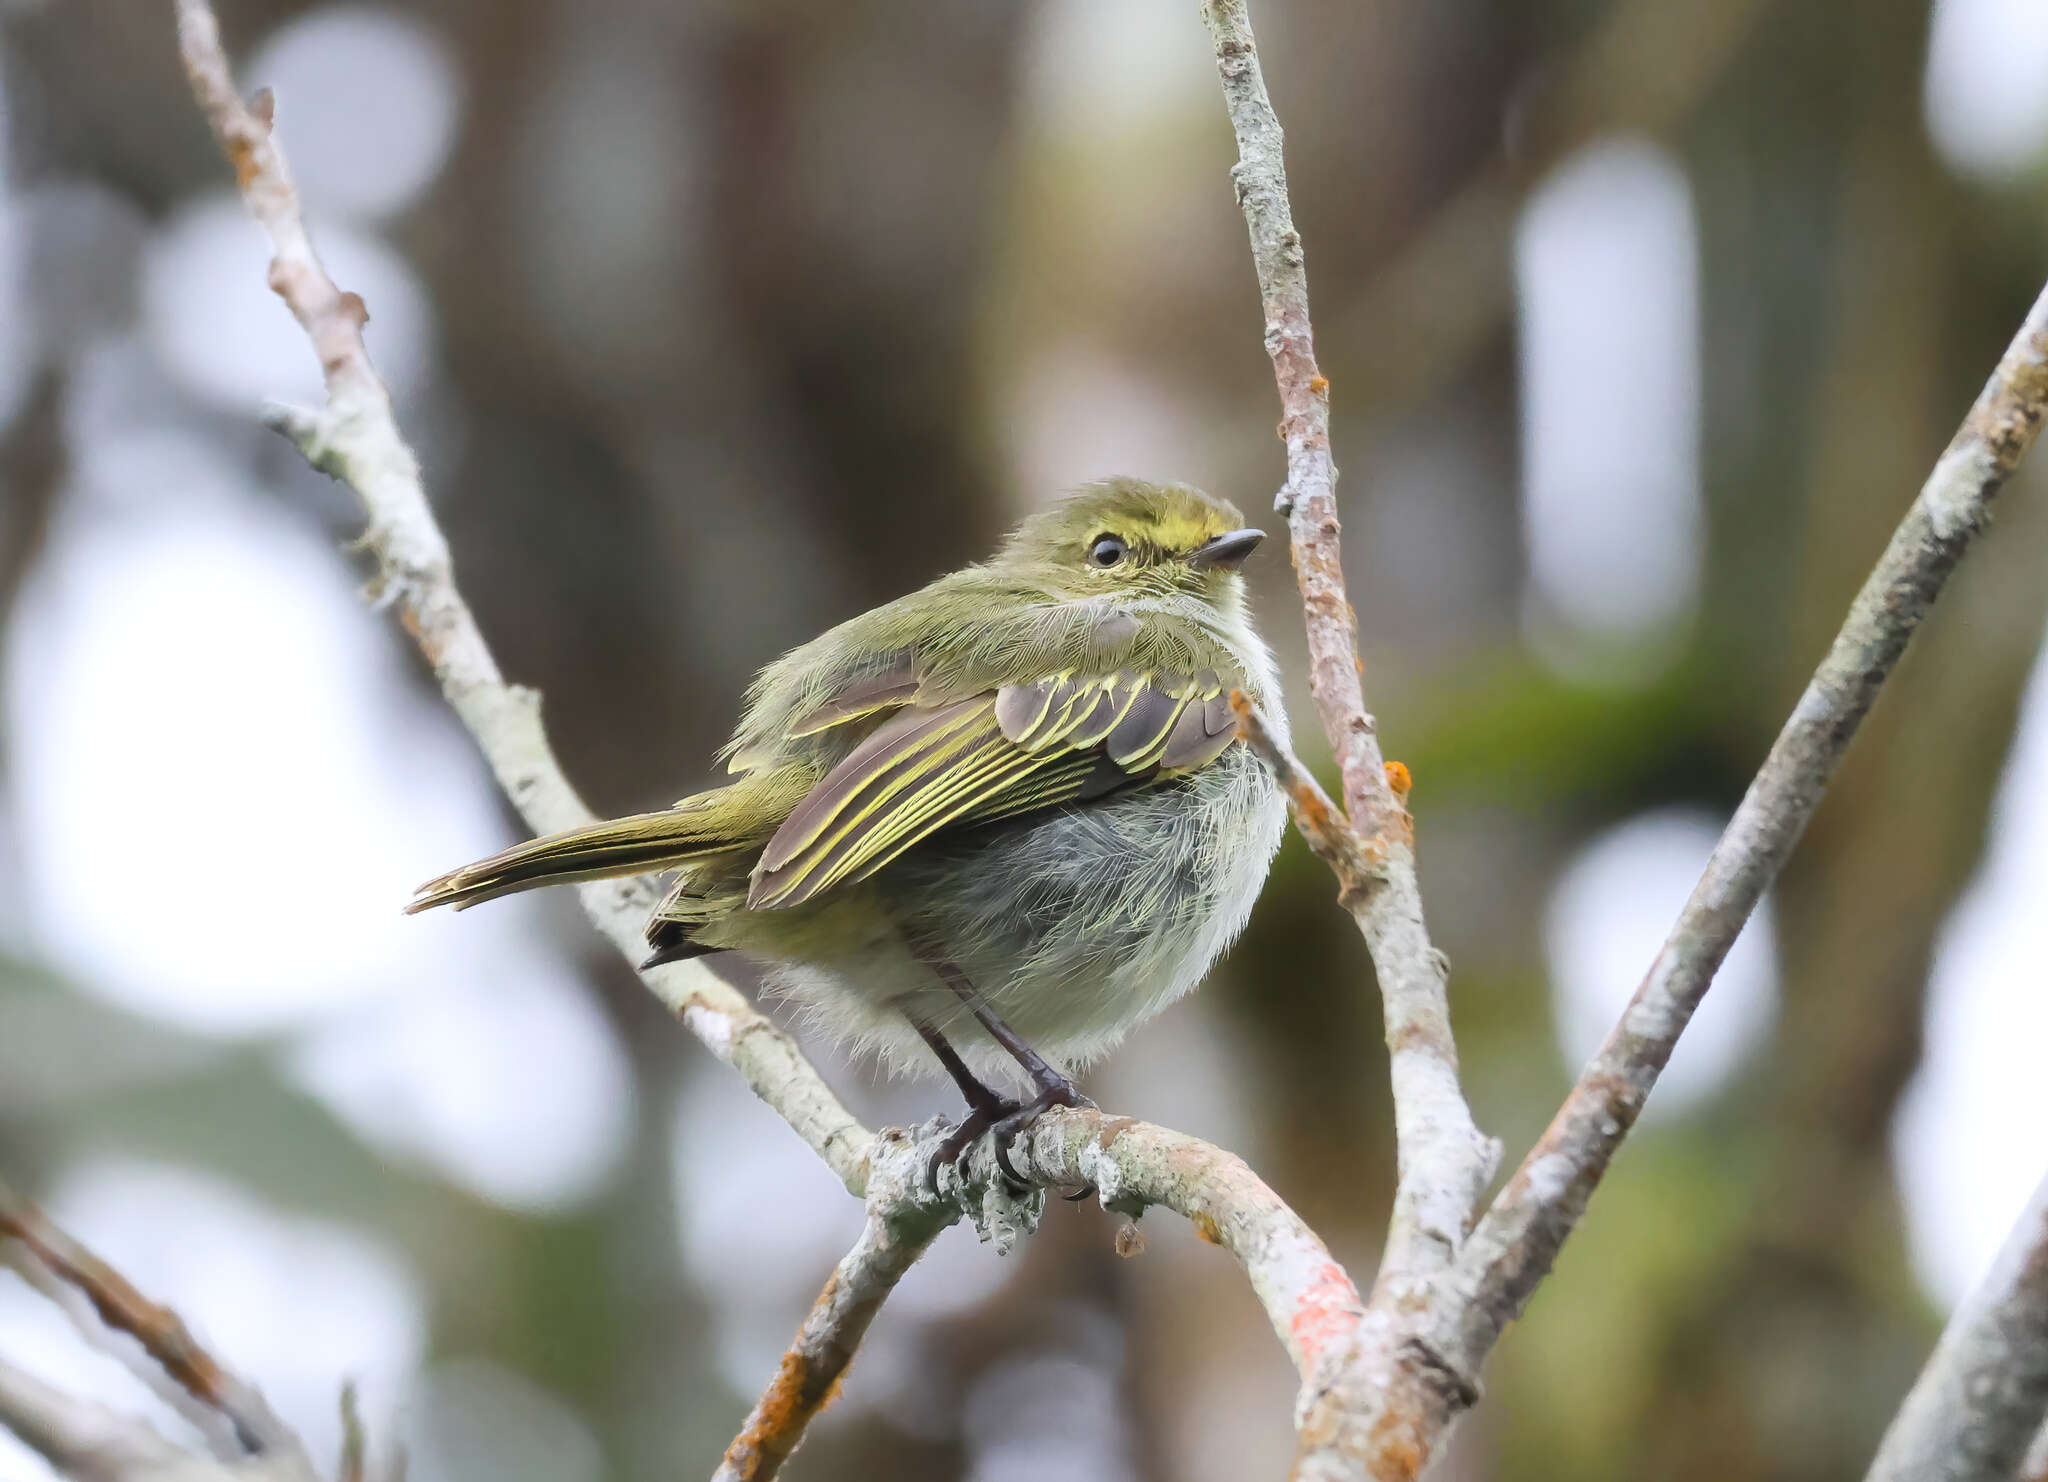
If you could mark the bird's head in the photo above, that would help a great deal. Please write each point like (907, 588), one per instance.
(1127, 536)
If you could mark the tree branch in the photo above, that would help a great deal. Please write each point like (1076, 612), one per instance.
(1514, 1244)
(1381, 1381)
(163, 1335)
(1320, 822)
(1983, 1397)
(1441, 1301)
(898, 1231)
(78, 1438)
(1312, 1303)
(355, 439)
(1444, 1162)
(90, 1442)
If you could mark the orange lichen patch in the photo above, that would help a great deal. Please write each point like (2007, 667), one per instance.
(805, 1383)
(1396, 1450)
(1206, 1227)
(1315, 814)
(1319, 385)
(1400, 780)
(796, 1395)
(241, 154)
(1327, 1313)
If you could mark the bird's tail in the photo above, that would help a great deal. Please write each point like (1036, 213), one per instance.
(639, 844)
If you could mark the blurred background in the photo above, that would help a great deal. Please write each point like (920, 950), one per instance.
(715, 323)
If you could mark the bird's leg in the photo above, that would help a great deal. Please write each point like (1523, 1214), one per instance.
(985, 1106)
(1054, 1088)
(1044, 1075)
(981, 1097)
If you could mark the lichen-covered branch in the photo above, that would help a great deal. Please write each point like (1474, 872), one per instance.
(355, 438)
(1444, 1161)
(1982, 1400)
(1515, 1242)
(1313, 1305)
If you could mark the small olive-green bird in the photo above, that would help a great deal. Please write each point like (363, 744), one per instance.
(1007, 813)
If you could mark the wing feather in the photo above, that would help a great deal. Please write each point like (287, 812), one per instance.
(1043, 744)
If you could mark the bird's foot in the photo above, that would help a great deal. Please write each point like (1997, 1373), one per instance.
(977, 1121)
(1007, 1129)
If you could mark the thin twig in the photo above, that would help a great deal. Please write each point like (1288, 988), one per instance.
(161, 1332)
(1320, 821)
(1515, 1242)
(807, 1380)
(2035, 1467)
(355, 439)
(80, 1439)
(355, 1446)
(1444, 1161)
(1983, 1397)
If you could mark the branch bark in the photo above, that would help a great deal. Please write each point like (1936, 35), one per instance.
(1317, 818)
(1515, 1242)
(1983, 1398)
(1444, 1162)
(1313, 1305)
(355, 438)
(896, 1234)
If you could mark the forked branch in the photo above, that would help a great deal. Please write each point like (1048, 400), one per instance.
(1444, 1161)
(1441, 1300)
(1383, 1380)
(1514, 1244)
(354, 438)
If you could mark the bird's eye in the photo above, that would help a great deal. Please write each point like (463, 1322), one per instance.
(1107, 550)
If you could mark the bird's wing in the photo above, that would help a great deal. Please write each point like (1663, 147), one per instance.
(1014, 750)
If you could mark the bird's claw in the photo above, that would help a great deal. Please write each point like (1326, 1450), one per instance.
(1008, 1129)
(949, 1153)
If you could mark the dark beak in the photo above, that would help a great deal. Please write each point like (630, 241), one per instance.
(1226, 552)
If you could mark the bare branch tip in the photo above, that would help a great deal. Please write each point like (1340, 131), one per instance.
(354, 1445)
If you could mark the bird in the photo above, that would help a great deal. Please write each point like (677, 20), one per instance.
(991, 826)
